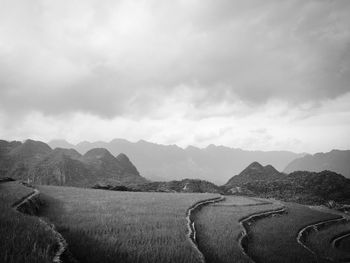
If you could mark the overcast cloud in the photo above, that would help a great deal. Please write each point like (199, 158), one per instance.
(251, 74)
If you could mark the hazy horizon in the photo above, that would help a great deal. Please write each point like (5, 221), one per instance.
(63, 141)
(255, 75)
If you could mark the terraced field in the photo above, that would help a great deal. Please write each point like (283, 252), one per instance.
(330, 241)
(273, 239)
(23, 238)
(219, 229)
(109, 226)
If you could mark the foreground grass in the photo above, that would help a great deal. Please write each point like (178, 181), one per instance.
(109, 226)
(218, 228)
(23, 238)
(344, 244)
(320, 241)
(273, 239)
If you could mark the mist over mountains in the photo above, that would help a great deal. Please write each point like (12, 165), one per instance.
(169, 162)
(335, 160)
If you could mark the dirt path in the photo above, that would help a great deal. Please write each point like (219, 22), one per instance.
(22, 206)
(191, 224)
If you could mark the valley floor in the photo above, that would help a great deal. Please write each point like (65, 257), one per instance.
(111, 226)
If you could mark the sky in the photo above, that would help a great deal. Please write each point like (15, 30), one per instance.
(256, 75)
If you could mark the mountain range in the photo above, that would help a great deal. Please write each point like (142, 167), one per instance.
(36, 162)
(335, 160)
(170, 162)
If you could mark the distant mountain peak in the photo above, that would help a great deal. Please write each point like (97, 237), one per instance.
(255, 165)
(127, 164)
(255, 171)
(98, 153)
(31, 147)
(336, 160)
(67, 152)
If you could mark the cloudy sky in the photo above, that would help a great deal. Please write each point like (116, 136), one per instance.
(259, 75)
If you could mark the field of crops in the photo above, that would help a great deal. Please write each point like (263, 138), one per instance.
(23, 238)
(344, 245)
(218, 227)
(110, 226)
(273, 239)
(321, 241)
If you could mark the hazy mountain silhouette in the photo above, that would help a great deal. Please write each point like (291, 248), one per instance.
(37, 162)
(335, 160)
(170, 162)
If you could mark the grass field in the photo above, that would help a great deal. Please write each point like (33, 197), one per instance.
(218, 227)
(344, 245)
(320, 241)
(273, 239)
(110, 226)
(23, 238)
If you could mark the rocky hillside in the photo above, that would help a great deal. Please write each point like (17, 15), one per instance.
(255, 172)
(301, 186)
(170, 162)
(36, 162)
(336, 161)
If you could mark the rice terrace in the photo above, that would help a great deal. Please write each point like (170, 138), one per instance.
(175, 131)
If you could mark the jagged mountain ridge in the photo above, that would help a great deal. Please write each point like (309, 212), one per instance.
(170, 162)
(36, 162)
(335, 160)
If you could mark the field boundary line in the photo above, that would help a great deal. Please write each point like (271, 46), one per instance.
(337, 239)
(315, 226)
(62, 243)
(191, 229)
(246, 221)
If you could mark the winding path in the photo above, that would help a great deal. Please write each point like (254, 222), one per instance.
(62, 244)
(191, 225)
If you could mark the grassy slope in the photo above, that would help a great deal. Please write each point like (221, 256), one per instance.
(109, 226)
(320, 241)
(23, 238)
(218, 228)
(273, 239)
